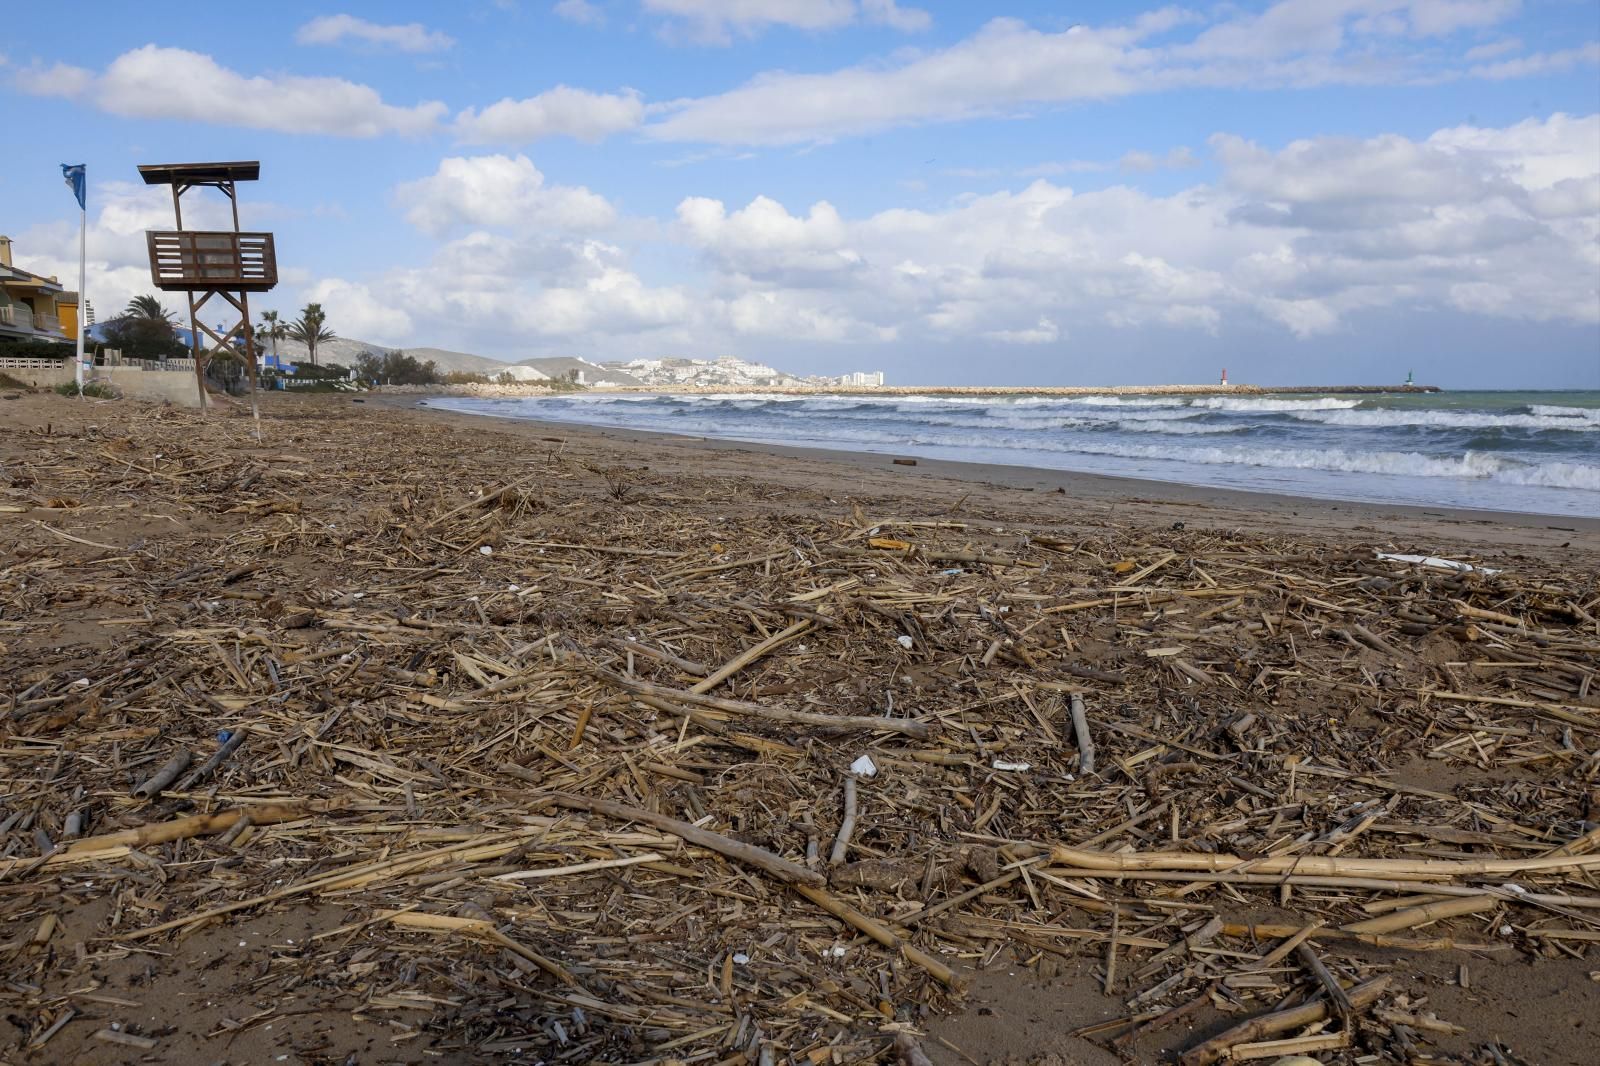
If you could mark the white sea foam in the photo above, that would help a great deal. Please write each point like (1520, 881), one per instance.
(1173, 425)
(1382, 418)
(1269, 405)
(1547, 410)
(1405, 464)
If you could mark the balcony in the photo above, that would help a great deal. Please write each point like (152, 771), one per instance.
(197, 260)
(43, 323)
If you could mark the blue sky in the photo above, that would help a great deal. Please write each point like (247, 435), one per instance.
(1318, 191)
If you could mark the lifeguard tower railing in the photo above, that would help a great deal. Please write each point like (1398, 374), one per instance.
(187, 260)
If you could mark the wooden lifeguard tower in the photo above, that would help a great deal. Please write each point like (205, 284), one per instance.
(230, 264)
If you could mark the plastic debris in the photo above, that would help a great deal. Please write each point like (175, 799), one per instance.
(1435, 562)
(486, 550)
(905, 641)
(864, 767)
(1016, 767)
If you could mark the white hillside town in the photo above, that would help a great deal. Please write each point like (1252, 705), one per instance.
(730, 372)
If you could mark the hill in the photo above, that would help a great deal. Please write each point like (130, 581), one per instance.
(591, 373)
(344, 351)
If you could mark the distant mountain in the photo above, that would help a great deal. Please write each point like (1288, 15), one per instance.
(344, 351)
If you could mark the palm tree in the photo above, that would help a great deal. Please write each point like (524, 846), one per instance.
(272, 329)
(309, 330)
(147, 306)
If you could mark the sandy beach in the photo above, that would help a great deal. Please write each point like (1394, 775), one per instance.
(407, 736)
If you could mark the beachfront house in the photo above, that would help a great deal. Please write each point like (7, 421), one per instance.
(30, 304)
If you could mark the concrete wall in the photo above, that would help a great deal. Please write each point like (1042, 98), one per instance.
(163, 386)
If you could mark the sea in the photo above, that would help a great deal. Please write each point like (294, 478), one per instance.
(1535, 452)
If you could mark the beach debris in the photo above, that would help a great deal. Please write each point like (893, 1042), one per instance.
(1436, 562)
(604, 794)
(905, 462)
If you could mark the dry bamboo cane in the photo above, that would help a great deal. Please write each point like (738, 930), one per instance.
(879, 932)
(750, 655)
(1129, 863)
(152, 785)
(1410, 917)
(1216, 1049)
(1080, 728)
(865, 723)
(749, 854)
(111, 845)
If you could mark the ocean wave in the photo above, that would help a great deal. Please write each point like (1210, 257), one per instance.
(1476, 465)
(1383, 418)
(1269, 405)
(1556, 476)
(1172, 425)
(1548, 410)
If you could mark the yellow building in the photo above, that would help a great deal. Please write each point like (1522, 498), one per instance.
(30, 303)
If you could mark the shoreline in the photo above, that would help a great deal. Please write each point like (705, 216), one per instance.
(1292, 511)
(473, 670)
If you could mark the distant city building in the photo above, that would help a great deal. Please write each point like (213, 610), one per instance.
(731, 372)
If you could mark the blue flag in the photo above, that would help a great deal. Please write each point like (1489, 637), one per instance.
(75, 177)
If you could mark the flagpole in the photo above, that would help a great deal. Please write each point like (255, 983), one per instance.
(83, 296)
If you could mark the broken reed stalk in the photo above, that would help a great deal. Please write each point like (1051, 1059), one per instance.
(153, 785)
(208, 767)
(847, 825)
(843, 722)
(1216, 1049)
(879, 932)
(1132, 863)
(1080, 729)
(749, 854)
(114, 845)
(1411, 917)
(745, 658)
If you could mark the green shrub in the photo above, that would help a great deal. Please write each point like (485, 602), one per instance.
(35, 349)
(96, 390)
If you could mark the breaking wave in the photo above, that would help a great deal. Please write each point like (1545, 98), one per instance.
(1386, 417)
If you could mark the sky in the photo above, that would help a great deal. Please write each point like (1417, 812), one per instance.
(1025, 192)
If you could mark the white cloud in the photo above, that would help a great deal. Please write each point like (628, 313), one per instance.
(410, 37)
(1304, 240)
(498, 190)
(889, 13)
(1008, 66)
(1492, 49)
(173, 83)
(1180, 158)
(1500, 222)
(1045, 332)
(561, 111)
(719, 21)
(1539, 63)
(61, 79)
(580, 11)
(763, 240)
(361, 313)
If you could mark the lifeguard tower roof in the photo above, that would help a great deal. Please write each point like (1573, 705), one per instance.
(198, 173)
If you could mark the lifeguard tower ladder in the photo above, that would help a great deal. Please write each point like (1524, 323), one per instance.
(229, 264)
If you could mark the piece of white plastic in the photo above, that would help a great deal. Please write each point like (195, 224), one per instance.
(1015, 767)
(905, 641)
(486, 550)
(1435, 562)
(864, 767)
